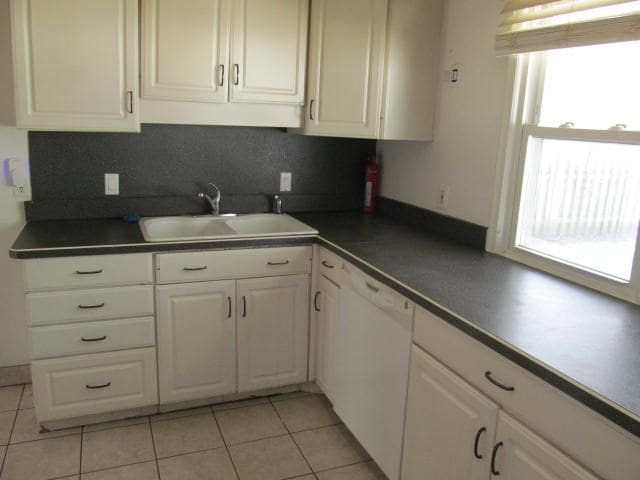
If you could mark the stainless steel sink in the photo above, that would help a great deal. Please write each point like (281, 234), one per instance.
(214, 227)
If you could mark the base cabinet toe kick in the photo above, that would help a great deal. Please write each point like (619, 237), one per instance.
(116, 334)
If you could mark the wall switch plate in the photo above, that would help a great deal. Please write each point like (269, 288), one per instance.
(19, 178)
(285, 181)
(111, 184)
(443, 196)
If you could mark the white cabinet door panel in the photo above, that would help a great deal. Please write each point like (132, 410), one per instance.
(196, 340)
(76, 64)
(450, 426)
(346, 61)
(327, 301)
(185, 49)
(269, 50)
(273, 324)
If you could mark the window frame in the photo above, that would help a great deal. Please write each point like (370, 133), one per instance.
(526, 74)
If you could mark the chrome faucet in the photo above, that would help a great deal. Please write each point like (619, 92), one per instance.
(213, 201)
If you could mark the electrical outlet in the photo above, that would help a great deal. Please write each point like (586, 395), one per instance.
(285, 181)
(443, 196)
(111, 184)
(19, 179)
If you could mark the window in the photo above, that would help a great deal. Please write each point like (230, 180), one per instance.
(576, 166)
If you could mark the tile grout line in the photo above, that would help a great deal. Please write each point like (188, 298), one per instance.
(294, 440)
(224, 441)
(13, 425)
(153, 443)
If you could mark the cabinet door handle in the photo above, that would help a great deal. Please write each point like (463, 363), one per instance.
(194, 269)
(311, 109)
(244, 306)
(86, 307)
(315, 301)
(94, 339)
(325, 264)
(493, 458)
(95, 387)
(88, 272)
(498, 384)
(476, 441)
(221, 67)
(229, 307)
(130, 95)
(236, 80)
(373, 288)
(285, 262)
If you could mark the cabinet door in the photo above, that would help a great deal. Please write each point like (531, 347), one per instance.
(196, 340)
(269, 51)
(327, 301)
(522, 455)
(273, 323)
(346, 60)
(76, 64)
(450, 426)
(185, 49)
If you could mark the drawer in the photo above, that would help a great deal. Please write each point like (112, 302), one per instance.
(49, 308)
(580, 432)
(91, 337)
(229, 264)
(330, 265)
(90, 271)
(98, 383)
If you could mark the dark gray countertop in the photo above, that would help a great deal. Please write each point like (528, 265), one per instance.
(585, 343)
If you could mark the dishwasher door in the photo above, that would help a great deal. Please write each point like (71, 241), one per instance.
(372, 350)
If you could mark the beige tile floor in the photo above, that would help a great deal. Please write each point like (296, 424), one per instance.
(291, 436)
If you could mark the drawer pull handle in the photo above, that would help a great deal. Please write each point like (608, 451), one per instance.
(286, 262)
(194, 269)
(96, 387)
(315, 301)
(86, 307)
(325, 264)
(373, 288)
(476, 441)
(88, 272)
(95, 339)
(244, 306)
(498, 384)
(493, 459)
(229, 307)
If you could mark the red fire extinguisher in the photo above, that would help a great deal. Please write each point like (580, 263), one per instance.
(370, 184)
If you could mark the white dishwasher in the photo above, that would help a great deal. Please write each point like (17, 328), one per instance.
(372, 350)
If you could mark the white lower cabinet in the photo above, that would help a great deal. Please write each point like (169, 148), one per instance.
(519, 454)
(196, 340)
(273, 319)
(326, 303)
(450, 426)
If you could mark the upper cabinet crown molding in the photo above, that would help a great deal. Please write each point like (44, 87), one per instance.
(76, 64)
(373, 68)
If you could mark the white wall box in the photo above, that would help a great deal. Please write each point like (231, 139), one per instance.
(246, 62)
(588, 438)
(76, 64)
(273, 325)
(91, 384)
(89, 271)
(373, 68)
(196, 340)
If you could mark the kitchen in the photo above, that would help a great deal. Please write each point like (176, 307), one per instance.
(322, 342)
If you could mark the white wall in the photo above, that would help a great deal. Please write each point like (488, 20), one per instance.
(464, 152)
(13, 144)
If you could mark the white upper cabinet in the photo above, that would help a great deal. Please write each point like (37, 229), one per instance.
(268, 50)
(373, 68)
(186, 50)
(346, 60)
(76, 64)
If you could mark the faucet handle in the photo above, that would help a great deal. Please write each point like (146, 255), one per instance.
(277, 204)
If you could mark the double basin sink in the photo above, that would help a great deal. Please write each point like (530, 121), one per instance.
(219, 227)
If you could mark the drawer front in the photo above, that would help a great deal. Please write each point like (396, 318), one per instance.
(229, 264)
(580, 432)
(86, 272)
(48, 308)
(91, 337)
(89, 384)
(330, 265)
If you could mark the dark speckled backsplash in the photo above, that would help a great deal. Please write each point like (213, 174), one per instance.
(163, 167)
